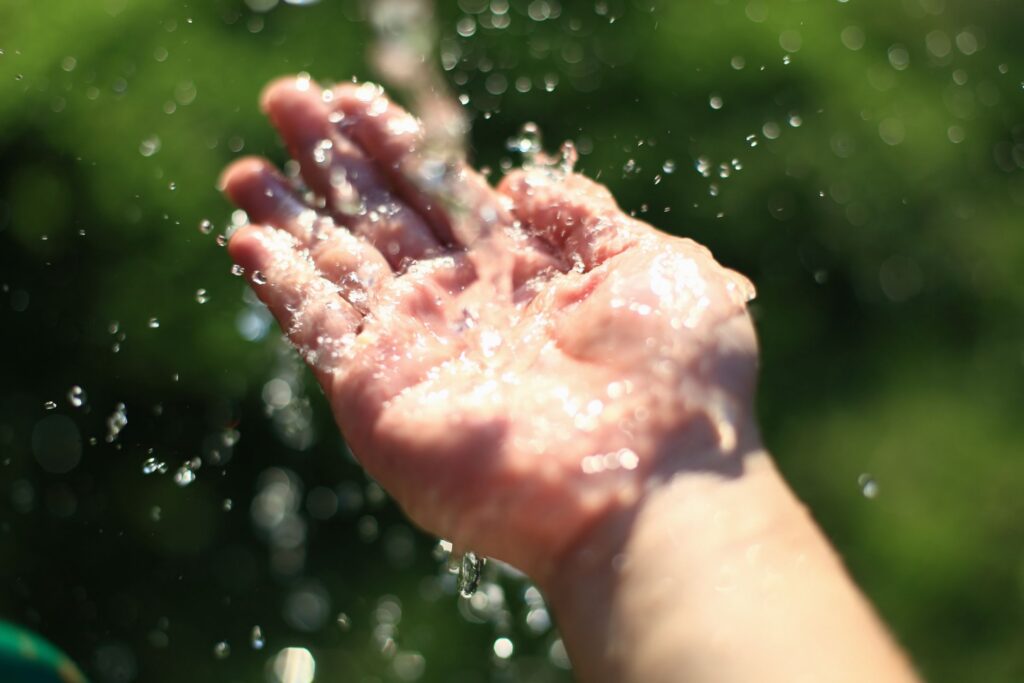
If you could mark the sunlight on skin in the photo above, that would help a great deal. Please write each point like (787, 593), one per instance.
(489, 418)
(543, 379)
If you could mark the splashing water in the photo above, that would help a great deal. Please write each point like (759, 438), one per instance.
(471, 569)
(528, 142)
(154, 465)
(117, 421)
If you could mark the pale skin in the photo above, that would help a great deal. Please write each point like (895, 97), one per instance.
(543, 379)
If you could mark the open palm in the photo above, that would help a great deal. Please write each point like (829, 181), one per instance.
(512, 364)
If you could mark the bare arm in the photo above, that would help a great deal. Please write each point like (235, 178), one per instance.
(718, 577)
(541, 378)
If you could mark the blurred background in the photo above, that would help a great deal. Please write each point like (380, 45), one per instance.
(170, 478)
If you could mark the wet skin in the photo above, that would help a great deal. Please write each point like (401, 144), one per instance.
(512, 371)
(541, 378)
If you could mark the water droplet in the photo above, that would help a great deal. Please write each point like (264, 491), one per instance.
(153, 323)
(201, 296)
(222, 650)
(76, 396)
(470, 571)
(703, 166)
(50, 405)
(443, 550)
(322, 152)
(344, 622)
(237, 270)
(256, 638)
(558, 656)
(259, 278)
(526, 142)
(117, 421)
(868, 486)
(150, 146)
(294, 665)
(503, 648)
(154, 466)
(715, 101)
(227, 505)
(205, 226)
(669, 166)
(185, 475)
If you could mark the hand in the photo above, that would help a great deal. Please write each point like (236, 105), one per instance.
(513, 365)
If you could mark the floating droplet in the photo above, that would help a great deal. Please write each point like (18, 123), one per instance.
(294, 665)
(205, 226)
(868, 486)
(259, 278)
(470, 571)
(344, 622)
(322, 152)
(50, 405)
(526, 142)
(227, 505)
(669, 166)
(117, 421)
(149, 146)
(503, 648)
(76, 396)
(154, 465)
(201, 296)
(185, 475)
(222, 650)
(256, 638)
(153, 323)
(237, 270)
(442, 550)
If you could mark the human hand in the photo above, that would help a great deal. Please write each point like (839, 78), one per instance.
(513, 369)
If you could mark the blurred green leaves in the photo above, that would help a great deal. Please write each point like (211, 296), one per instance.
(864, 164)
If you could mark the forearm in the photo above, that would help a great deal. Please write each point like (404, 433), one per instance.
(718, 577)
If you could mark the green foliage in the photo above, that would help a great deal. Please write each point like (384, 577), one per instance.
(879, 214)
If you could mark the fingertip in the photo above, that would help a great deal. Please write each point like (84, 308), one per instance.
(512, 183)
(240, 175)
(279, 90)
(247, 247)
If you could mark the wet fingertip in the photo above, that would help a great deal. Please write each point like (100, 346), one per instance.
(273, 90)
(248, 248)
(512, 182)
(240, 174)
(278, 91)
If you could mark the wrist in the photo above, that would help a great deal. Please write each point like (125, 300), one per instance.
(701, 514)
(695, 494)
